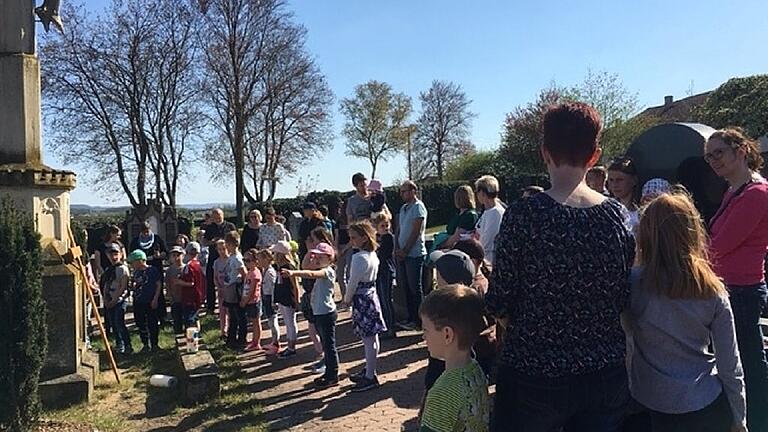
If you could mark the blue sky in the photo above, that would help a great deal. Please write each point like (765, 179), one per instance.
(502, 53)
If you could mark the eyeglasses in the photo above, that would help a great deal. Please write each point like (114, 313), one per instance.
(714, 155)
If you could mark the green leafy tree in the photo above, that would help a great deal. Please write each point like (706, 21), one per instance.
(739, 102)
(376, 121)
(22, 312)
(522, 134)
(617, 106)
(471, 166)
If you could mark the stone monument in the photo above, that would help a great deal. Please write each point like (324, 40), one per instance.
(162, 219)
(42, 192)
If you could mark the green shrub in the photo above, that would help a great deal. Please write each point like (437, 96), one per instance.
(22, 314)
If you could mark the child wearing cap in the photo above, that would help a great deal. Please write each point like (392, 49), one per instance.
(172, 279)
(323, 308)
(286, 294)
(459, 398)
(453, 267)
(192, 285)
(114, 286)
(377, 198)
(147, 286)
(653, 188)
(367, 320)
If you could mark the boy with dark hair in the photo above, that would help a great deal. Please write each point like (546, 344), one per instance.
(234, 277)
(452, 319)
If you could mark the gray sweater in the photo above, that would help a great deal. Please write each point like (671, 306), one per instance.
(671, 368)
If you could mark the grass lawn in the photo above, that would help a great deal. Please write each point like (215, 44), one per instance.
(133, 405)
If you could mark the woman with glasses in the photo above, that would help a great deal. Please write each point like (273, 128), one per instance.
(623, 185)
(251, 230)
(738, 245)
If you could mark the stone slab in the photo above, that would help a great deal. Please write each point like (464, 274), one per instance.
(67, 390)
(200, 381)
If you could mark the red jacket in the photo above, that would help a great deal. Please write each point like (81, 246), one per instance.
(194, 295)
(739, 235)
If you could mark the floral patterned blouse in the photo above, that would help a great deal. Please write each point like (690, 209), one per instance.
(562, 278)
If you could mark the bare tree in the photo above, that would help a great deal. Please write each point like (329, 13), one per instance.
(443, 127)
(294, 123)
(239, 38)
(119, 96)
(376, 122)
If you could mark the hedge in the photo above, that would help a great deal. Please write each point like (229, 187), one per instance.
(22, 313)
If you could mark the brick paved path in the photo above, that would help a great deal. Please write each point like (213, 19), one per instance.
(284, 388)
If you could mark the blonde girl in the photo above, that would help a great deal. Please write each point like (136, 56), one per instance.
(264, 261)
(679, 307)
(219, 276)
(367, 320)
(286, 294)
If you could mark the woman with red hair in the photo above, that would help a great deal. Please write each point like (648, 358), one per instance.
(560, 281)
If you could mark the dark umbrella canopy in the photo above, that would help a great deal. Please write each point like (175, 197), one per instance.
(675, 151)
(660, 150)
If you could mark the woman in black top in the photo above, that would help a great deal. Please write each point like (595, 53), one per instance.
(102, 251)
(250, 235)
(560, 281)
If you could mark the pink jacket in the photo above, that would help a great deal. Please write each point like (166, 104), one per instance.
(739, 236)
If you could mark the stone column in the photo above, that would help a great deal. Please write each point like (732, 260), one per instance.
(43, 193)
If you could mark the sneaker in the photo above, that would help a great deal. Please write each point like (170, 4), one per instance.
(356, 378)
(325, 382)
(318, 366)
(288, 352)
(365, 384)
(253, 346)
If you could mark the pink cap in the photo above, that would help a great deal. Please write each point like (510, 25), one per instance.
(282, 247)
(323, 249)
(374, 185)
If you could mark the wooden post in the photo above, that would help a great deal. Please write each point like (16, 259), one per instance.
(77, 255)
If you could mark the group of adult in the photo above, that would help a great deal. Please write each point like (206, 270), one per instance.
(561, 283)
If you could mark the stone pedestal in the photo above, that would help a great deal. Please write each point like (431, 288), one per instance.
(68, 373)
(42, 192)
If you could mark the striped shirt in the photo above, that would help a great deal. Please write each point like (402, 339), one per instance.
(458, 401)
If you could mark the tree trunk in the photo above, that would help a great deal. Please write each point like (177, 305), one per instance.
(239, 162)
(440, 151)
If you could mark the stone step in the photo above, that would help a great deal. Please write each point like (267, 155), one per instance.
(200, 381)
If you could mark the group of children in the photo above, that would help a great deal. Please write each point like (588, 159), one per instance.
(183, 278)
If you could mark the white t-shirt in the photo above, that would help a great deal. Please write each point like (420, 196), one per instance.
(269, 276)
(488, 227)
(363, 268)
